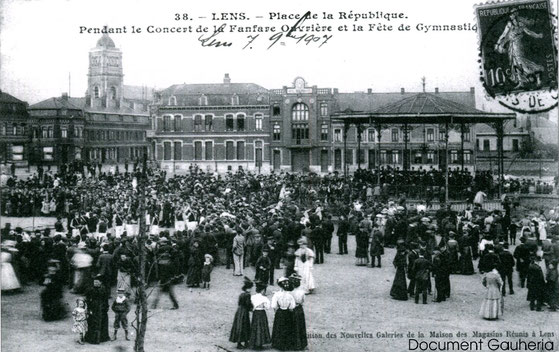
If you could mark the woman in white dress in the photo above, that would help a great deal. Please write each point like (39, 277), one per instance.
(304, 261)
(10, 281)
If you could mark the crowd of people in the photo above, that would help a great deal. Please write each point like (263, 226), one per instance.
(273, 222)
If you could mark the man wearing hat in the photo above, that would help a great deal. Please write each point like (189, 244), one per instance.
(535, 284)
(238, 254)
(264, 267)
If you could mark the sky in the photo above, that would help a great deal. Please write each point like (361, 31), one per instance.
(41, 46)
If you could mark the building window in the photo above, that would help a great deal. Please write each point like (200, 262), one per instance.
(173, 100)
(51, 132)
(323, 109)
(467, 157)
(300, 112)
(235, 100)
(208, 122)
(300, 131)
(78, 153)
(442, 135)
(240, 122)
(486, 144)
(240, 150)
(14, 130)
(113, 93)
(166, 123)
(430, 135)
(229, 151)
(48, 153)
(337, 135)
(178, 121)
(96, 92)
(324, 132)
(198, 123)
(395, 135)
(349, 157)
(209, 151)
(63, 133)
(258, 122)
(515, 147)
(203, 100)
(17, 152)
(383, 159)
(430, 157)
(453, 156)
(3, 131)
(371, 135)
(258, 153)
(395, 157)
(178, 151)
(229, 122)
(197, 150)
(418, 158)
(167, 151)
(276, 110)
(466, 134)
(277, 132)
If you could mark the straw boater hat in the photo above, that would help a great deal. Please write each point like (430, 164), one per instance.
(209, 256)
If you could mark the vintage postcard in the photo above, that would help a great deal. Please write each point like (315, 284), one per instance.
(293, 176)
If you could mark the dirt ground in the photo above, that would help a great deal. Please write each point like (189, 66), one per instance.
(349, 300)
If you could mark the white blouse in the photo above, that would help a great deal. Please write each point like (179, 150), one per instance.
(298, 295)
(283, 300)
(260, 302)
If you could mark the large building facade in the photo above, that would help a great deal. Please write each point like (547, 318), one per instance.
(305, 137)
(117, 116)
(216, 127)
(15, 132)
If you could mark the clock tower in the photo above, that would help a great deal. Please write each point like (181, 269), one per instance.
(105, 75)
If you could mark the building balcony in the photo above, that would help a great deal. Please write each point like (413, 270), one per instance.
(300, 143)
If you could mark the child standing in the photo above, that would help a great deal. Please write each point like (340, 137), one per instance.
(80, 319)
(121, 307)
(207, 270)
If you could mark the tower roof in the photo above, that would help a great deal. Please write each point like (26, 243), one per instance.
(105, 41)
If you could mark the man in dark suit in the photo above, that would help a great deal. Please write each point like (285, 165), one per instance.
(317, 237)
(412, 257)
(105, 268)
(522, 256)
(507, 267)
(343, 229)
(535, 284)
(328, 228)
(422, 270)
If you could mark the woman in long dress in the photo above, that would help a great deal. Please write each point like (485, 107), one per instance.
(362, 245)
(304, 261)
(300, 336)
(9, 281)
(98, 321)
(240, 331)
(399, 288)
(52, 305)
(492, 306)
(259, 329)
(284, 329)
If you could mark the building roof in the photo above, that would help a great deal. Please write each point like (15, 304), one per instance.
(105, 41)
(59, 103)
(7, 98)
(361, 101)
(426, 103)
(218, 94)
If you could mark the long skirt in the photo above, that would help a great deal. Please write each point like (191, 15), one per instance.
(492, 308)
(52, 305)
(308, 279)
(399, 289)
(194, 276)
(467, 266)
(284, 330)
(259, 329)
(9, 278)
(300, 336)
(240, 331)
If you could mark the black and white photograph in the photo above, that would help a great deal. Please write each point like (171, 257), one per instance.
(220, 176)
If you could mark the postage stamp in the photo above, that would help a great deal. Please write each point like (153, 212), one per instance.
(518, 54)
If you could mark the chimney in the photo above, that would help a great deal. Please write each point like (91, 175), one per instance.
(472, 90)
(335, 90)
(402, 90)
(437, 90)
(65, 96)
(226, 79)
(369, 90)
